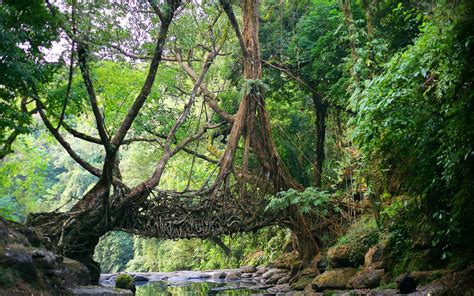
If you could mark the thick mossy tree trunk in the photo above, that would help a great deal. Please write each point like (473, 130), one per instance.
(253, 123)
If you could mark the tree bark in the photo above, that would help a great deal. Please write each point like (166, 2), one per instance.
(321, 113)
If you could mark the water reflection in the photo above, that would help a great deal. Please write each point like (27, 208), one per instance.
(192, 288)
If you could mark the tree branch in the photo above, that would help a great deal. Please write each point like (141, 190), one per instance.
(82, 56)
(146, 89)
(87, 166)
(233, 21)
(209, 98)
(306, 85)
(81, 135)
(187, 108)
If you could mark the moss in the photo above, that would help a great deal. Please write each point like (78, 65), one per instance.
(8, 277)
(391, 285)
(124, 281)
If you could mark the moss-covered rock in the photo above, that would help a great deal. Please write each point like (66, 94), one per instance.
(305, 278)
(125, 281)
(350, 249)
(288, 261)
(367, 278)
(334, 279)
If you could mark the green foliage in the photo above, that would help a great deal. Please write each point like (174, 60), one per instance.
(194, 254)
(310, 200)
(114, 251)
(416, 117)
(26, 30)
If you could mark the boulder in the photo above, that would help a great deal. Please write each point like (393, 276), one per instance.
(340, 256)
(334, 279)
(367, 278)
(218, 275)
(18, 257)
(45, 259)
(288, 261)
(271, 272)
(302, 282)
(260, 272)
(280, 289)
(308, 290)
(125, 281)
(233, 276)
(248, 269)
(306, 277)
(406, 284)
(374, 258)
(76, 271)
(27, 267)
(284, 280)
(246, 275)
(274, 278)
(422, 277)
(140, 278)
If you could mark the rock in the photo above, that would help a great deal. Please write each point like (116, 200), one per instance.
(367, 278)
(248, 269)
(288, 261)
(339, 256)
(140, 278)
(422, 277)
(32, 235)
(302, 282)
(374, 258)
(406, 284)
(76, 271)
(233, 276)
(10, 234)
(260, 272)
(280, 288)
(306, 277)
(246, 275)
(270, 273)
(94, 270)
(44, 259)
(284, 280)
(125, 281)
(19, 257)
(274, 278)
(334, 279)
(218, 275)
(308, 290)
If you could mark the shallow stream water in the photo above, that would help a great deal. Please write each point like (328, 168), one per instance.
(197, 288)
(196, 283)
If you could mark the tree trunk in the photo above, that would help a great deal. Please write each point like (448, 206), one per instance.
(321, 113)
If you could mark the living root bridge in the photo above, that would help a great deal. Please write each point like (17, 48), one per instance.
(197, 214)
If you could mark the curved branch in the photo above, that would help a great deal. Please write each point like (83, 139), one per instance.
(303, 83)
(82, 55)
(210, 99)
(150, 79)
(233, 21)
(87, 166)
(81, 135)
